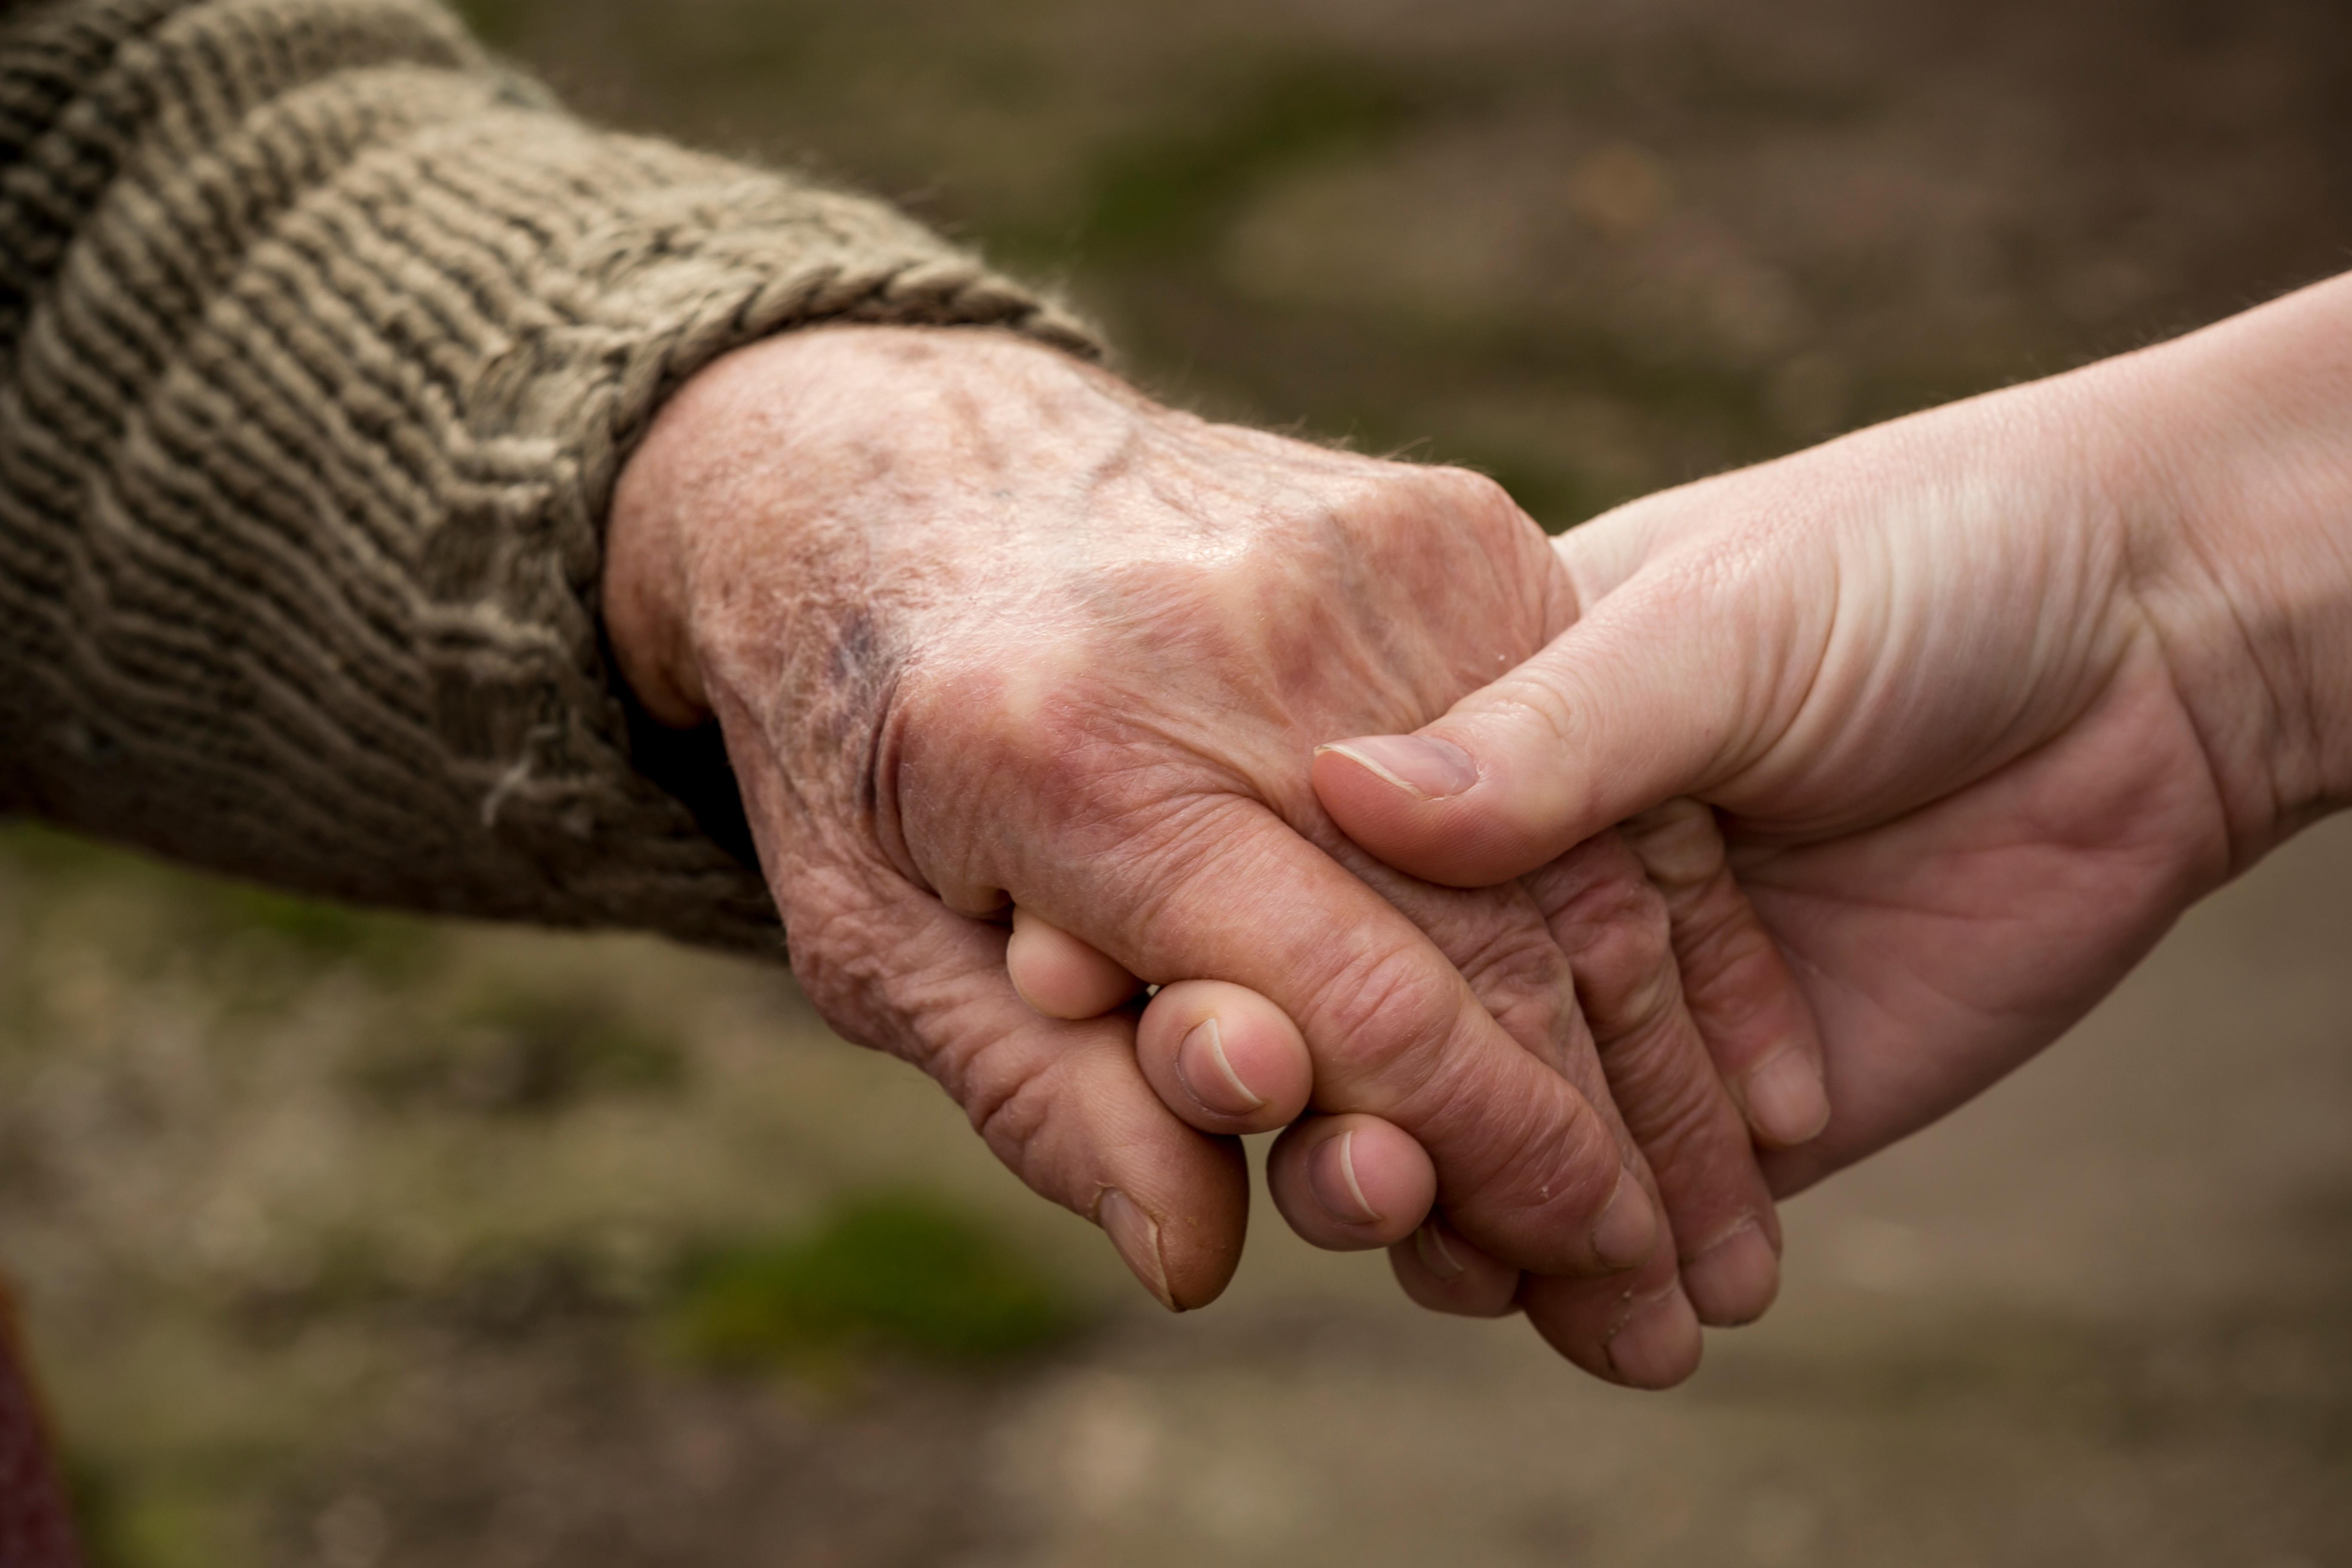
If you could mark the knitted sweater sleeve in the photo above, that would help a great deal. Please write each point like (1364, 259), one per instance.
(321, 342)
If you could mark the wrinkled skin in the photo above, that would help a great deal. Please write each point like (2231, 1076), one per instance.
(1987, 696)
(984, 626)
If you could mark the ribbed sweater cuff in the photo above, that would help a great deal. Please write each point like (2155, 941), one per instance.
(312, 407)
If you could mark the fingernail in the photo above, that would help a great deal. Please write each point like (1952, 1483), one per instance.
(1659, 1343)
(1332, 1175)
(1786, 1102)
(1208, 1076)
(1628, 1229)
(1429, 1245)
(1137, 1238)
(1733, 1279)
(1433, 770)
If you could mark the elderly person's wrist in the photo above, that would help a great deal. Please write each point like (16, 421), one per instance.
(644, 599)
(672, 489)
(850, 421)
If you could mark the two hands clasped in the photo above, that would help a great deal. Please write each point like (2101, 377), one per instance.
(1563, 903)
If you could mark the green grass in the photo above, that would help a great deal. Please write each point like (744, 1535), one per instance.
(197, 910)
(891, 1272)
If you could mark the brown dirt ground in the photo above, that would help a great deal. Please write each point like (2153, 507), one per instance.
(325, 1268)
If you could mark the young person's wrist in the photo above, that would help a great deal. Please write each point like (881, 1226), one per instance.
(2237, 442)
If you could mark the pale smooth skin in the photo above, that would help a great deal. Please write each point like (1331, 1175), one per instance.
(1985, 698)
(984, 626)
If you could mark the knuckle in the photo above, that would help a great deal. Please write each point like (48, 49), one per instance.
(1619, 934)
(1649, 989)
(1475, 497)
(1559, 884)
(1530, 709)
(1690, 1147)
(1399, 501)
(966, 1062)
(1697, 1148)
(1499, 954)
(1017, 1092)
(1679, 844)
(1381, 1021)
(1006, 1109)
(1711, 917)
(1549, 1160)
(1010, 1097)
(1523, 979)
(1728, 961)
(1661, 1081)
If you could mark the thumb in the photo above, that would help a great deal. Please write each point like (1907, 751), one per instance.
(1063, 1103)
(1666, 689)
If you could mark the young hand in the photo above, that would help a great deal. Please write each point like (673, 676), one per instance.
(1985, 697)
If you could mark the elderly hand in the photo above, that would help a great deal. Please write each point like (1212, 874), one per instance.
(1987, 696)
(1668, 961)
(983, 626)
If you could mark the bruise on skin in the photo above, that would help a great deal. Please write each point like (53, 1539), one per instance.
(860, 670)
(858, 666)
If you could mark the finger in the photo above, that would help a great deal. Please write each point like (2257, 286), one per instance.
(1644, 1334)
(1224, 1058)
(1444, 1272)
(1436, 1266)
(1334, 1187)
(1502, 941)
(1061, 976)
(1530, 1170)
(1350, 1183)
(1639, 1328)
(1667, 688)
(1633, 1050)
(1062, 1103)
(1741, 994)
(1614, 926)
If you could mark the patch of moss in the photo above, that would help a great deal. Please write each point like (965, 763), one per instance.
(316, 930)
(37, 848)
(888, 1272)
(175, 910)
(94, 1495)
(155, 1517)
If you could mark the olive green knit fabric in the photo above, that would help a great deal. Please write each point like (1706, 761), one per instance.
(321, 340)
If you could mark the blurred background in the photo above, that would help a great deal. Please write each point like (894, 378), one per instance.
(352, 1242)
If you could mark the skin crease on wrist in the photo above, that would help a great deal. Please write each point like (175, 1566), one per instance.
(2246, 435)
(984, 626)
